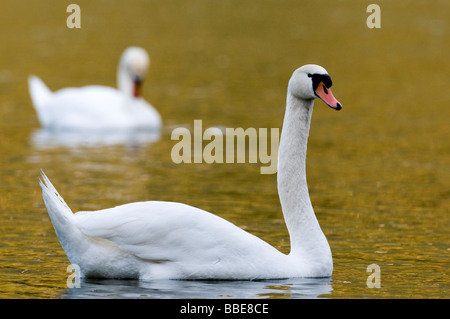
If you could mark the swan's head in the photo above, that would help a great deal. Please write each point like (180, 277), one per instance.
(132, 71)
(311, 81)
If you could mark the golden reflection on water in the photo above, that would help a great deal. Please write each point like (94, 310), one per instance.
(378, 170)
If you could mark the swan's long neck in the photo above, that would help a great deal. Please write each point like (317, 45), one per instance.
(124, 84)
(307, 239)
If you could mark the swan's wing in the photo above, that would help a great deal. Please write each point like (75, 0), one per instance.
(86, 107)
(99, 107)
(164, 231)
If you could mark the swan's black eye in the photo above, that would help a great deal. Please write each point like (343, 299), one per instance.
(309, 75)
(324, 78)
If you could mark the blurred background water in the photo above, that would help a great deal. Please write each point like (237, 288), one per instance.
(378, 170)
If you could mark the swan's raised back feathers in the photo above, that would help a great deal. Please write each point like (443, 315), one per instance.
(40, 95)
(57, 207)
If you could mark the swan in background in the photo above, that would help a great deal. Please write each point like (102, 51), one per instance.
(95, 107)
(169, 240)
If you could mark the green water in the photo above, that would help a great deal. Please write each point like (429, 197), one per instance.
(378, 171)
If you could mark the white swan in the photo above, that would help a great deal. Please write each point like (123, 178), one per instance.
(97, 107)
(156, 240)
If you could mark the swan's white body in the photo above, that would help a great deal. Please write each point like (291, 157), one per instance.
(167, 240)
(96, 107)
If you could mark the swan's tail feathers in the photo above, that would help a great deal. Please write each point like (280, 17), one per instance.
(40, 95)
(61, 215)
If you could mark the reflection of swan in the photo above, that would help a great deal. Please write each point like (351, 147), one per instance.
(47, 139)
(156, 240)
(293, 288)
(98, 107)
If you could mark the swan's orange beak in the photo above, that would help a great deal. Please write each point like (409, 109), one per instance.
(325, 95)
(137, 87)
